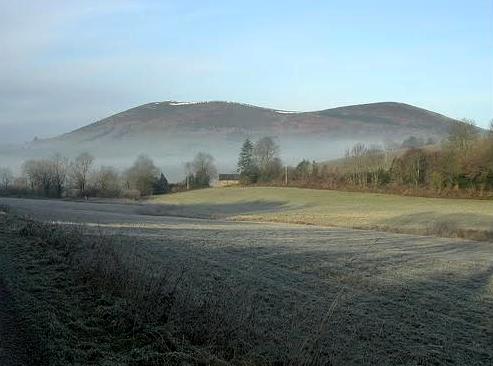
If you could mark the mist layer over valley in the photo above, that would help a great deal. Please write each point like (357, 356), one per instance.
(171, 133)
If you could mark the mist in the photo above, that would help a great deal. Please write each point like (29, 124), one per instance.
(171, 155)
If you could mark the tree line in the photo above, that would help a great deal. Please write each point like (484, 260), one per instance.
(461, 164)
(59, 176)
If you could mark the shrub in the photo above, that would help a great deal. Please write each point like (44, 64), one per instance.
(131, 194)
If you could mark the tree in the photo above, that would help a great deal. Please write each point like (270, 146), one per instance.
(107, 182)
(457, 152)
(201, 170)
(40, 175)
(430, 141)
(6, 178)
(29, 170)
(265, 151)
(47, 176)
(410, 168)
(355, 164)
(59, 173)
(315, 169)
(449, 167)
(246, 163)
(142, 175)
(478, 168)
(246, 156)
(413, 142)
(303, 170)
(161, 185)
(377, 163)
(367, 164)
(462, 136)
(80, 169)
(266, 154)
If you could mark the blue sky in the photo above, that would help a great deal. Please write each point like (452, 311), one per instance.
(64, 64)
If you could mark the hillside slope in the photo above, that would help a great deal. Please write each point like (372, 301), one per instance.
(173, 132)
(234, 120)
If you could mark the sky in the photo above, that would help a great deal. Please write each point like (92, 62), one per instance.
(67, 63)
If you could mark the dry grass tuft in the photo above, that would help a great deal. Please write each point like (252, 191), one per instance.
(112, 303)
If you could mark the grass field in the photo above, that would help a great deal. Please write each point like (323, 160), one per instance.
(417, 215)
(153, 290)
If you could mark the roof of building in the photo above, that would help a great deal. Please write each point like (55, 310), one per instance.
(229, 177)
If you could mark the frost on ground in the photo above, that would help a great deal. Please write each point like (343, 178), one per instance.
(332, 295)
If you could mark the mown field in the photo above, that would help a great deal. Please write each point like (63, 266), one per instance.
(416, 215)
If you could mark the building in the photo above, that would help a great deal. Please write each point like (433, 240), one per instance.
(225, 180)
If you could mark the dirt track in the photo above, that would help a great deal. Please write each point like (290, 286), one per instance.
(409, 299)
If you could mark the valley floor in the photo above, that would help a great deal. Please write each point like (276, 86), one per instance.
(350, 296)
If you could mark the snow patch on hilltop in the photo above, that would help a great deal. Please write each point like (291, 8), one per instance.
(183, 103)
(286, 112)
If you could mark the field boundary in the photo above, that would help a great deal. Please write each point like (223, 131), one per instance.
(439, 231)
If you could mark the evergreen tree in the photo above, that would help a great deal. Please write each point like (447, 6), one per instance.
(161, 185)
(246, 163)
(246, 156)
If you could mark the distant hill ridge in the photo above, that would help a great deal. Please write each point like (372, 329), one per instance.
(172, 132)
(169, 118)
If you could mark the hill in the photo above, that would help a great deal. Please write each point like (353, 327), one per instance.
(172, 132)
(377, 120)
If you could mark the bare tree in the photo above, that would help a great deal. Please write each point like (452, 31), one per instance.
(142, 175)
(59, 167)
(29, 171)
(79, 170)
(376, 162)
(356, 164)
(366, 164)
(266, 155)
(6, 177)
(463, 134)
(265, 151)
(107, 182)
(410, 168)
(40, 175)
(201, 170)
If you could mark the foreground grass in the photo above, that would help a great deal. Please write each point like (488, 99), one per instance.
(85, 298)
(416, 215)
(285, 295)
